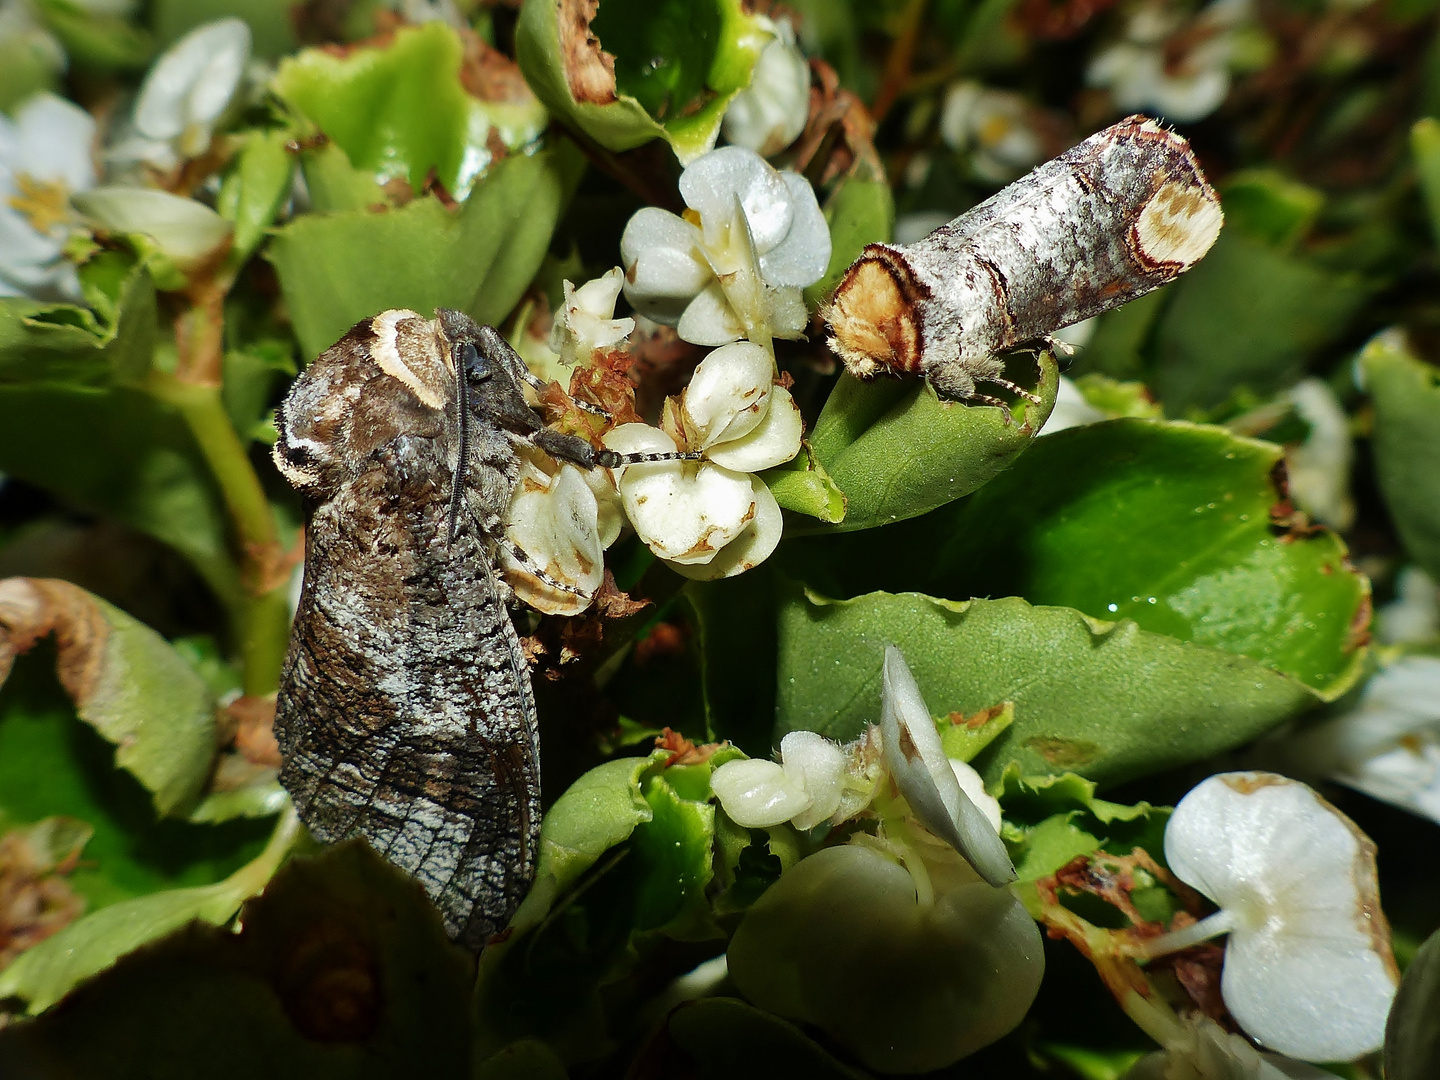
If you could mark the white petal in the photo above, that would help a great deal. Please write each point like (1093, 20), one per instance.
(54, 140)
(787, 316)
(610, 512)
(974, 787)
(803, 255)
(1414, 615)
(774, 442)
(770, 113)
(1307, 970)
(1319, 467)
(194, 80)
(711, 183)
(728, 393)
(820, 764)
(585, 322)
(684, 511)
(597, 297)
(753, 546)
(664, 268)
(185, 230)
(555, 525)
(709, 319)
(758, 794)
(922, 772)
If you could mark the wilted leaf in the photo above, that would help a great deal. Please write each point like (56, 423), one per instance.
(1106, 700)
(896, 450)
(35, 899)
(340, 970)
(50, 970)
(397, 108)
(479, 258)
(126, 681)
(1406, 437)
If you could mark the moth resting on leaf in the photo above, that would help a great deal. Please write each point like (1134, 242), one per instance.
(1109, 220)
(405, 713)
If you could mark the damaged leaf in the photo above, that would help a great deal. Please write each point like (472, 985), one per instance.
(35, 899)
(126, 681)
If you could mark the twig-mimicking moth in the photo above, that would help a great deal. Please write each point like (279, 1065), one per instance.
(1122, 213)
(405, 713)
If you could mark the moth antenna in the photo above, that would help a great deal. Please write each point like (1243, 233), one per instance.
(462, 455)
(521, 556)
(611, 459)
(1006, 384)
(593, 410)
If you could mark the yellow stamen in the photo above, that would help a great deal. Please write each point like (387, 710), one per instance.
(45, 203)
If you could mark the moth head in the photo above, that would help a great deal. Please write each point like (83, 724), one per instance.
(390, 375)
(874, 315)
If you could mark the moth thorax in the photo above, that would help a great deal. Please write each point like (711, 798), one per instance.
(875, 315)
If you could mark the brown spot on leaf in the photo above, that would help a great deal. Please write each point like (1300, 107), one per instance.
(329, 984)
(1062, 752)
(589, 69)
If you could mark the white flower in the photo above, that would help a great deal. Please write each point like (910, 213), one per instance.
(1414, 615)
(25, 43)
(769, 114)
(44, 160)
(1308, 969)
(1144, 73)
(712, 518)
(1319, 468)
(931, 782)
(186, 93)
(803, 788)
(1071, 409)
(995, 127)
(586, 320)
(1388, 746)
(759, 240)
(562, 518)
(1203, 1050)
(183, 230)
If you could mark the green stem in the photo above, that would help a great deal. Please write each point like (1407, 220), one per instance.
(262, 617)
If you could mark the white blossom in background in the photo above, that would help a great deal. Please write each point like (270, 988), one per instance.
(186, 93)
(1071, 409)
(1319, 468)
(21, 33)
(186, 232)
(562, 518)
(1388, 746)
(586, 320)
(712, 518)
(995, 128)
(45, 158)
(1414, 615)
(770, 113)
(912, 227)
(1146, 72)
(735, 265)
(1202, 1050)
(1308, 970)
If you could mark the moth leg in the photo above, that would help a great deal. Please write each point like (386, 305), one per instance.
(1006, 384)
(986, 399)
(521, 556)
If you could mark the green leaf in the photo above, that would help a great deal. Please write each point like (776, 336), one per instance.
(1273, 209)
(94, 39)
(255, 189)
(127, 682)
(736, 621)
(46, 972)
(398, 110)
(805, 487)
(896, 450)
(1425, 146)
(52, 764)
(684, 61)
(597, 812)
(1412, 1034)
(1051, 819)
(725, 1038)
(272, 22)
(859, 212)
(1247, 315)
(478, 259)
(1108, 701)
(341, 970)
(964, 737)
(1406, 437)
(1116, 399)
(1166, 523)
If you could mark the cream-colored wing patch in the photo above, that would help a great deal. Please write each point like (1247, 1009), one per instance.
(411, 349)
